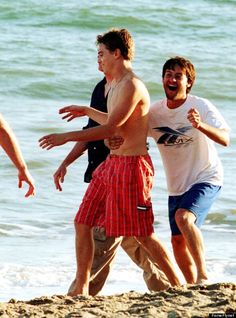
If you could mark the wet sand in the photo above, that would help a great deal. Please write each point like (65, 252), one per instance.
(184, 302)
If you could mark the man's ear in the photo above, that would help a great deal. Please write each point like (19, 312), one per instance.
(117, 53)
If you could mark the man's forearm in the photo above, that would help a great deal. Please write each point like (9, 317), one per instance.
(75, 153)
(96, 115)
(90, 134)
(10, 145)
(220, 136)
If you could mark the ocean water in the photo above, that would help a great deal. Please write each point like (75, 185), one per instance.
(48, 60)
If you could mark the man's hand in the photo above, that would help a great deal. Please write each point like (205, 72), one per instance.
(221, 136)
(73, 111)
(24, 176)
(114, 143)
(59, 176)
(194, 117)
(50, 141)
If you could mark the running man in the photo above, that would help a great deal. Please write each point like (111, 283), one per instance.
(122, 183)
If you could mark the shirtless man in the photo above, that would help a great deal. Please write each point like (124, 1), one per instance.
(122, 183)
(105, 248)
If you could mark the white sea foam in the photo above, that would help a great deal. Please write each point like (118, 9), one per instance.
(221, 271)
(22, 282)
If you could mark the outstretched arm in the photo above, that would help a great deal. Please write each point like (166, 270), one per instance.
(74, 111)
(74, 154)
(10, 145)
(94, 133)
(220, 136)
(121, 110)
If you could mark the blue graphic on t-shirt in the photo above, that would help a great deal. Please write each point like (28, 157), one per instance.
(172, 137)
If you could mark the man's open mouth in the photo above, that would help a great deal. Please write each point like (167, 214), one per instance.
(172, 87)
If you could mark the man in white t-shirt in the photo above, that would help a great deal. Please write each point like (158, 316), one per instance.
(185, 128)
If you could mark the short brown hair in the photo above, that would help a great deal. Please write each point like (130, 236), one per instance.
(118, 39)
(185, 65)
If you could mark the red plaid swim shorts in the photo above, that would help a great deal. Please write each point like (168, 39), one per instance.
(118, 197)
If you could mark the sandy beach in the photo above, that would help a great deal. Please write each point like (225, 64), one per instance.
(216, 300)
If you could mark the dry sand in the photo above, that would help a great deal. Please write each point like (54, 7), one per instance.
(216, 300)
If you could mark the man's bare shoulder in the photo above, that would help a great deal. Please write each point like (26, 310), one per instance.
(129, 91)
(132, 83)
(134, 79)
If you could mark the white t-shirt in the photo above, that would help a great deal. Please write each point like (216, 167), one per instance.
(188, 155)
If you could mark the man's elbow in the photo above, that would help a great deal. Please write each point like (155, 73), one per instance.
(225, 140)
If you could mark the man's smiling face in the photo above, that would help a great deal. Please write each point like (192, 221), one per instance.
(175, 83)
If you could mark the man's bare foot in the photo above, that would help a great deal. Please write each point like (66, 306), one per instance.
(71, 288)
(202, 281)
(76, 290)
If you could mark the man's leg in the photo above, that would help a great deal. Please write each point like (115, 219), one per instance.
(154, 278)
(184, 258)
(192, 243)
(105, 249)
(187, 213)
(104, 255)
(159, 254)
(84, 256)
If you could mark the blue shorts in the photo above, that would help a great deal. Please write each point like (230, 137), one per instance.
(198, 200)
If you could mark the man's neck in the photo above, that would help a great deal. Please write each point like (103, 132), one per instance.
(121, 70)
(108, 78)
(172, 104)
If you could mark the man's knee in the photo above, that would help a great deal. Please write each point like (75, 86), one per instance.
(142, 240)
(146, 240)
(184, 218)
